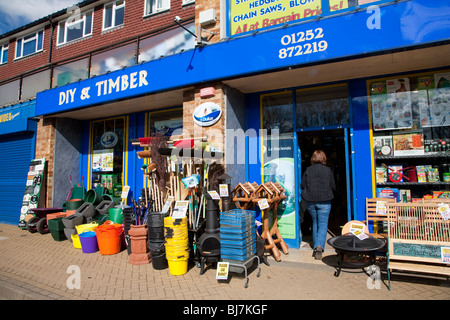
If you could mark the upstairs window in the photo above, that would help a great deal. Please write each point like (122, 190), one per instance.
(155, 6)
(187, 2)
(76, 27)
(30, 44)
(113, 14)
(4, 53)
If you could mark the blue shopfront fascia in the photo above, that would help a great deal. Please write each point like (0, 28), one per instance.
(402, 25)
(18, 118)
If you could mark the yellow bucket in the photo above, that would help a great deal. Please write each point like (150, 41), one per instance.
(76, 241)
(86, 227)
(178, 267)
(169, 221)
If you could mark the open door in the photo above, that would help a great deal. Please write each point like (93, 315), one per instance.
(335, 144)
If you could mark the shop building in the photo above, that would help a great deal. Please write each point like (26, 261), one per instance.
(288, 77)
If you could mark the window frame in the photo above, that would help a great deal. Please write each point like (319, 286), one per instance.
(67, 25)
(114, 9)
(148, 5)
(39, 47)
(186, 2)
(3, 48)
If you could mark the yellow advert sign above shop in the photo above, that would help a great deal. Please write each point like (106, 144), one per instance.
(251, 15)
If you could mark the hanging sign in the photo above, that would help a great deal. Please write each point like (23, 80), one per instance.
(207, 114)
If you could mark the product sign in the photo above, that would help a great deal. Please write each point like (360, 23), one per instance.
(391, 104)
(281, 169)
(9, 116)
(252, 15)
(222, 270)
(319, 40)
(207, 114)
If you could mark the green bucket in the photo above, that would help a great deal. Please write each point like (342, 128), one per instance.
(73, 204)
(93, 197)
(115, 215)
(78, 191)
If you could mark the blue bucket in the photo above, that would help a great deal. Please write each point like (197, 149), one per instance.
(88, 241)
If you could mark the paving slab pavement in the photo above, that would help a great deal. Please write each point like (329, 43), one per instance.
(35, 267)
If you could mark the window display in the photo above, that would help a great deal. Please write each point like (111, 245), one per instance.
(107, 152)
(410, 118)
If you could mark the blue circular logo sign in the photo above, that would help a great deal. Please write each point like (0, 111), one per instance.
(207, 114)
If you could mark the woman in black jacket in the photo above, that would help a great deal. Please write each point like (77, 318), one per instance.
(318, 187)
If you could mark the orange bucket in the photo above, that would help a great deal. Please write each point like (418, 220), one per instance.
(109, 238)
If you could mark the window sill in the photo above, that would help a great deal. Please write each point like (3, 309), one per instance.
(28, 55)
(111, 29)
(62, 45)
(187, 3)
(156, 13)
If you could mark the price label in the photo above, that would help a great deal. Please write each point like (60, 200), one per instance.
(214, 195)
(445, 255)
(223, 189)
(125, 191)
(167, 204)
(263, 204)
(180, 209)
(444, 210)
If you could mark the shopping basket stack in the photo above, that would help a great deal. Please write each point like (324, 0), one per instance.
(237, 234)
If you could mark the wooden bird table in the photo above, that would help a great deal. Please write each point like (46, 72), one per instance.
(274, 194)
(243, 195)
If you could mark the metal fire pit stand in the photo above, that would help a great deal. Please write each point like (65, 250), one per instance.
(244, 265)
(367, 251)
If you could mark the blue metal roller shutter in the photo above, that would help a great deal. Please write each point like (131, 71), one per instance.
(16, 152)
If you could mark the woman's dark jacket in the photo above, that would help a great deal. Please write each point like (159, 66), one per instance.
(318, 183)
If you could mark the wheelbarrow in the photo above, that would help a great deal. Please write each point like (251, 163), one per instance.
(39, 223)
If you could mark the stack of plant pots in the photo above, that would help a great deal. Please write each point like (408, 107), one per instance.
(155, 223)
(128, 220)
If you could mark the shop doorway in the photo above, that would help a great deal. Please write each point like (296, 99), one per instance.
(333, 143)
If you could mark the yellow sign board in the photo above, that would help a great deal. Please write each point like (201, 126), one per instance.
(252, 15)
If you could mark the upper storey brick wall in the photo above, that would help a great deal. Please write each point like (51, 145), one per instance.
(135, 24)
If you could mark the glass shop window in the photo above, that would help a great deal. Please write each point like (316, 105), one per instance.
(167, 43)
(35, 83)
(113, 60)
(107, 152)
(70, 72)
(9, 92)
(278, 112)
(322, 107)
(166, 123)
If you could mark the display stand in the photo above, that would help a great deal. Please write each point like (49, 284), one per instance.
(418, 238)
(244, 265)
(32, 195)
(273, 193)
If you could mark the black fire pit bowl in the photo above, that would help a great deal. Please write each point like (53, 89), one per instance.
(350, 244)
